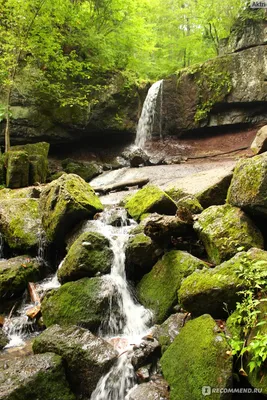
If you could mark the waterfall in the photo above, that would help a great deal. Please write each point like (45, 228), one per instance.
(149, 116)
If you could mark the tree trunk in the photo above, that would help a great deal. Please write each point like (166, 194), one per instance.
(7, 128)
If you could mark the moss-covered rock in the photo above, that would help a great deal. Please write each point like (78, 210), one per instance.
(176, 193)
(197, 358)
(86, 356)
(39, 148)
(20, 223)
(34, 377)
(18, 166)
(3, 339)
(82, 303)
(223, 229)
(215, 289)
(148, 200)
(64, 203)
(141, 254)
(15, 274)
(89, 255)
(86, 170)
(191, 203)
(158, 289)
(248, 188)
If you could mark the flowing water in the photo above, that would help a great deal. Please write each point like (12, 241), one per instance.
(148, 116)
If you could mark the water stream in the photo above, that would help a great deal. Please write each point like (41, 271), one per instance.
(148, 116)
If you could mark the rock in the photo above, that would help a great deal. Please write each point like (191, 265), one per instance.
(191, 203)
(34, 377)
(20, 222)
(88, 256)
(84, 303)
(248, 186)
(141, 254)
(167, 332)
(259, 144)
(64, 203)
(148, 351)
(162, 228)
(15, 274)
(86, 170)
(215, 289)
(86, 356)
(158, 289)
(136, 157)
(176, 193)
(18, 166)
(3, 339)
(197, 358)
(148, 200)
(156, 389)
(224, 229)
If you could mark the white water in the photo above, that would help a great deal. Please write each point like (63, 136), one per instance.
(147, 118)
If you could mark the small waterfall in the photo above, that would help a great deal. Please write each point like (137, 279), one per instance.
(149, 115)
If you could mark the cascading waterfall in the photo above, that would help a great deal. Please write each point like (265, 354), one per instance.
(148, 115)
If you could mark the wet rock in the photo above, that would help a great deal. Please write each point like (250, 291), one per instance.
(3, 339)
(248, 186)
(223, 229)
(88, 256)
(84, 302)
(167, 332)
(15, 274)
(259, 144)
(18, 166)
(136, 157)
(86, 356)
(64, 203)
(148, 200)
(148, 351)
(212, 290)
(141, 254)
(158, 289)
(156, 389)
(20, 222)
(86, 170)
(197, 358)
(34, 377)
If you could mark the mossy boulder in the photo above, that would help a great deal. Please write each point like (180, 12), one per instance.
(148, 200)
(84, 303)
(223, 229)
(17, 169)
(34, 377)
(20, 222)
(216, 289)
(15, 274)
(248, 188)
(191, 203)
(66, 202)
(141, 254)
(86, 170)
(158, 289)
(39, 148)
(198, 358)
(3, 339)
(86, 356)
(89, 255)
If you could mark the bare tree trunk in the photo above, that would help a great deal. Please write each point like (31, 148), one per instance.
(7, 128)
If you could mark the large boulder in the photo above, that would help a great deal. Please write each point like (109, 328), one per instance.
(64, 203)
(197, 359)
(84, 303)
(88, 256)
(215, 290)
(18, 167)
(40, 376)
(86, 356)
(158, 289)
(224, 229)
(15, 274)
(86, 170)
(141, 254)
(20, 222)
(148, 200)
(249, 185)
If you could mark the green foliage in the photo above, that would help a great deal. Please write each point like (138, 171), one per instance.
(251, 343)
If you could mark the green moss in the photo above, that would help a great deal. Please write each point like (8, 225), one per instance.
(223, 229)
(17, 164)
(76, 303)
(191, 203)
(197, 358)
(175, 193)
(40, 148)
(150, 199)
(158, 289)
(88, 256)
(87, 171)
